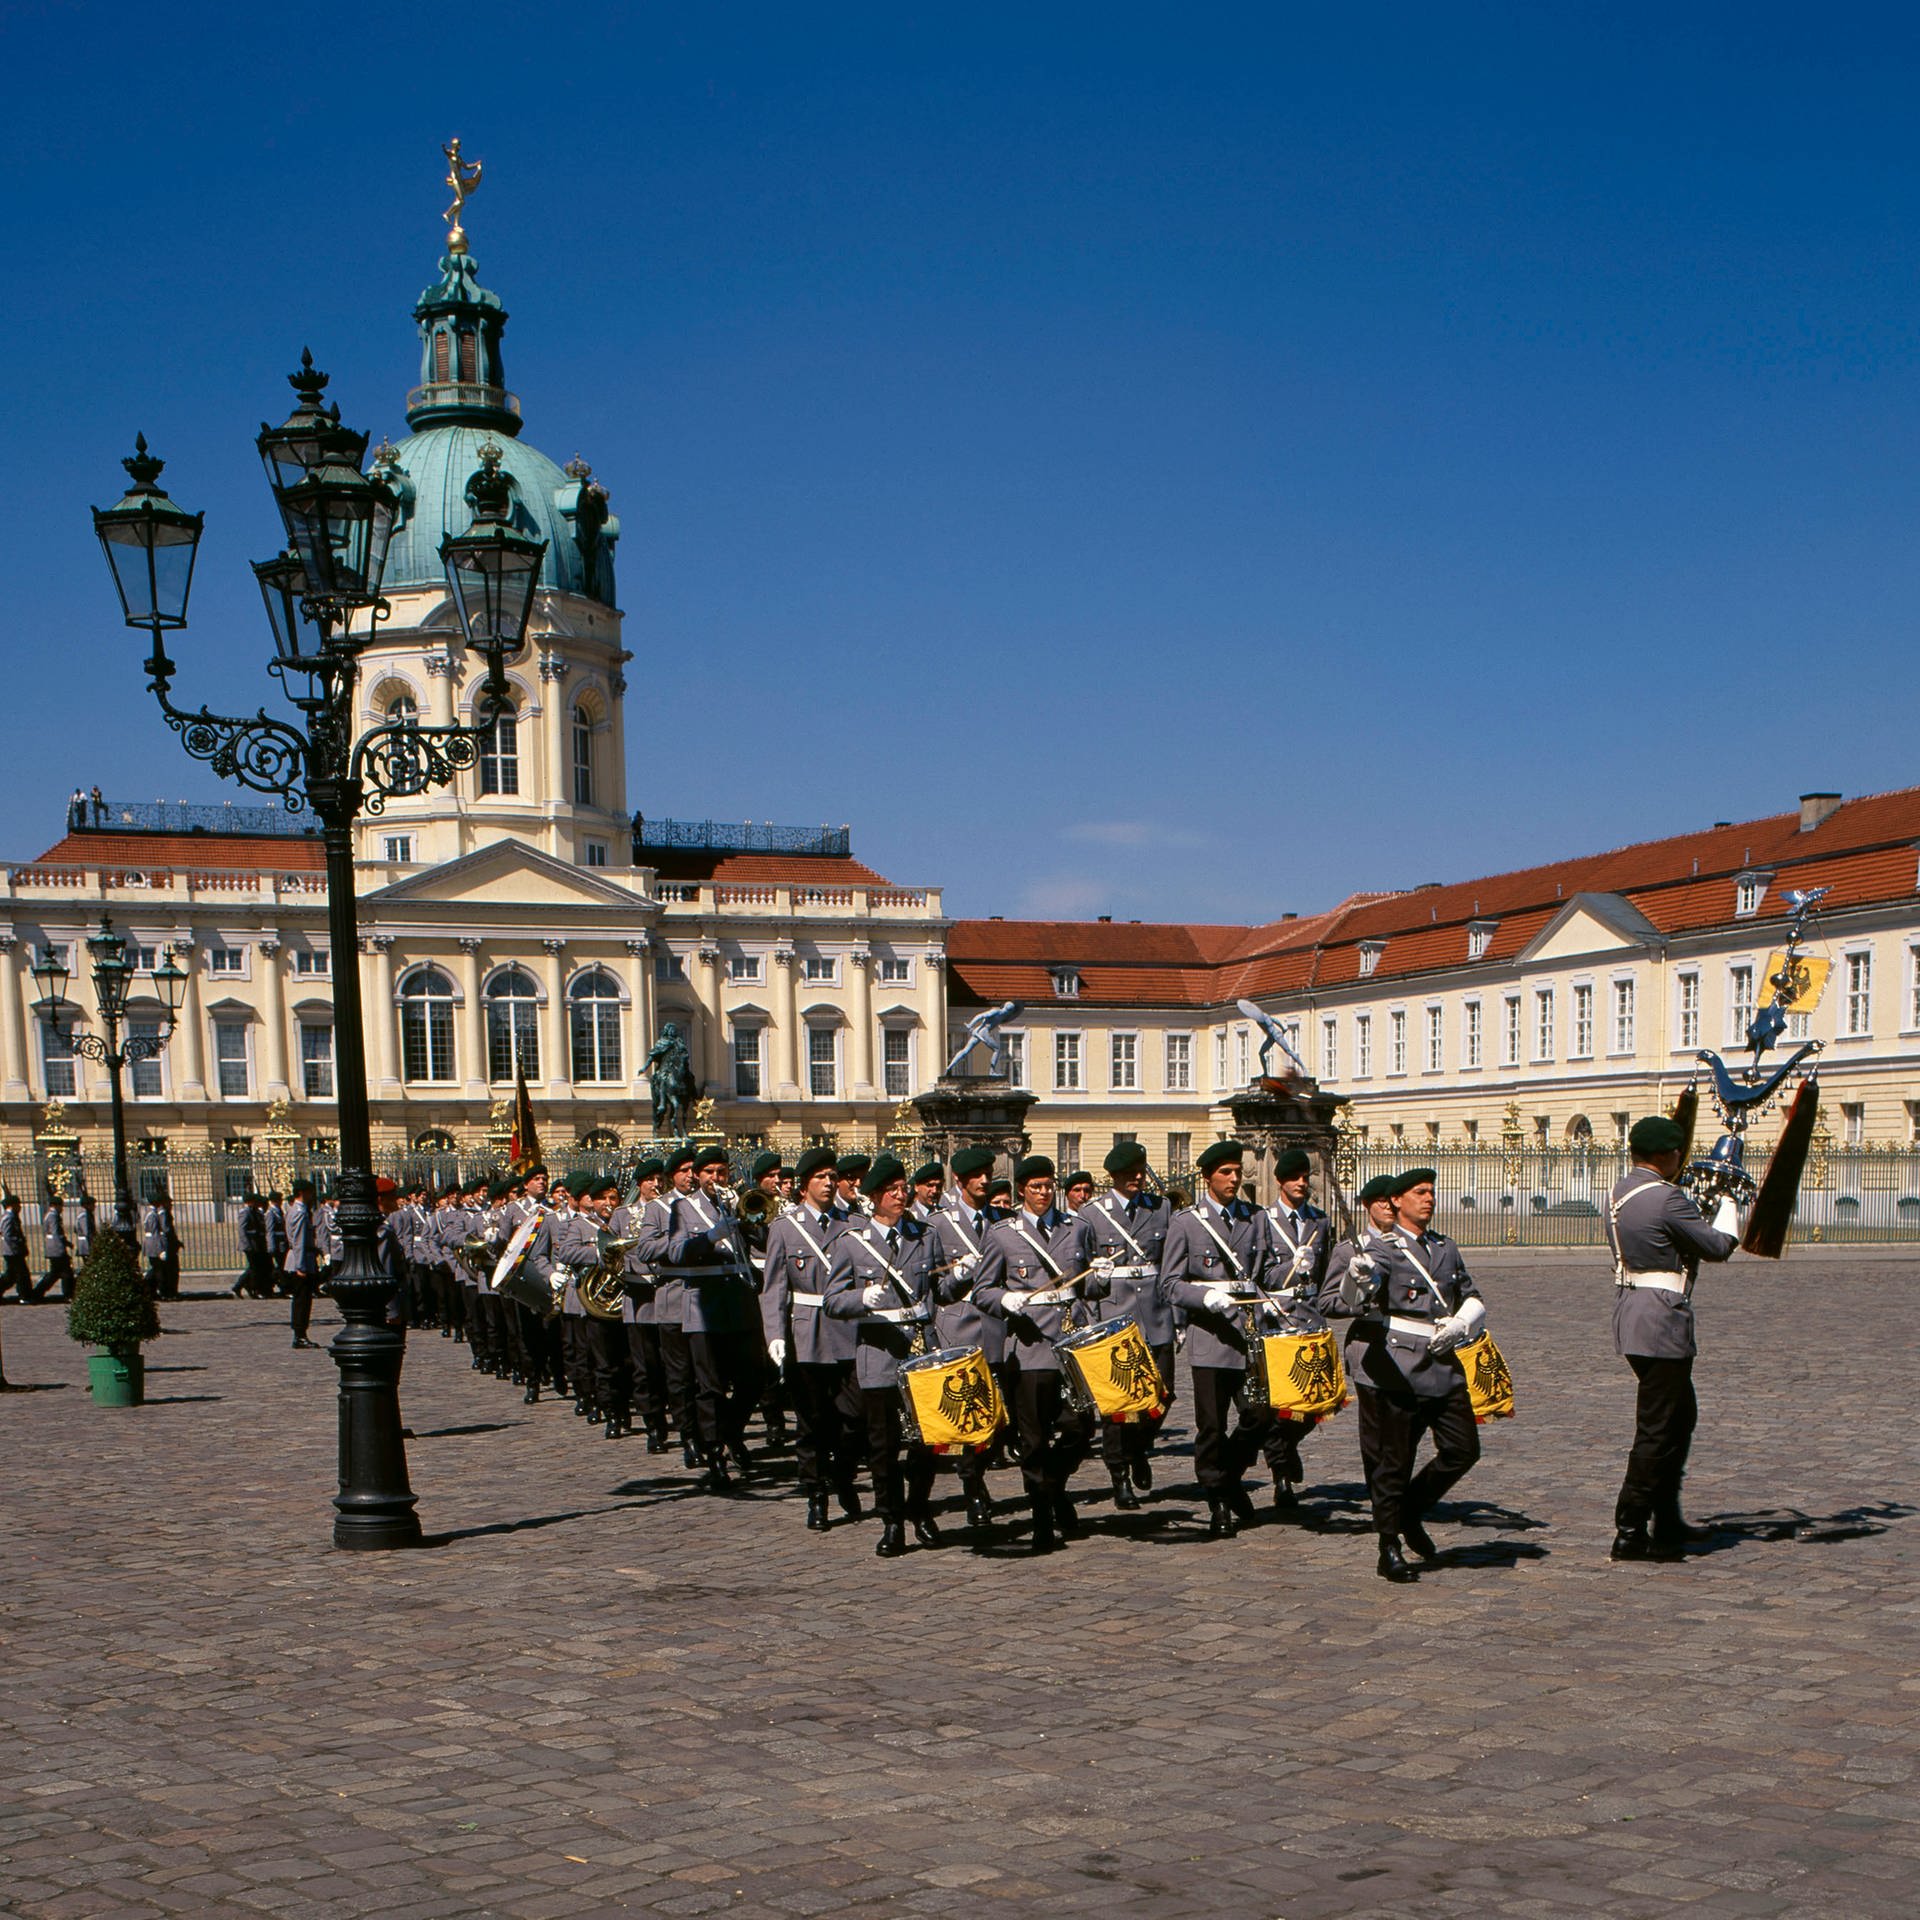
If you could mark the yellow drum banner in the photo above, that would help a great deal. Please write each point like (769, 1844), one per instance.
(1809, 980)
(1489, 1381)
(1117, 1371)
(952, 1399)
(1305, 1380)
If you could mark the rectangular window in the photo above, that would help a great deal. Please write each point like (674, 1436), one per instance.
(1124, 1063)
(1510, 1030)
(1396, 1041)
(1243, 1055)
(1739, 1004)
(1746, 898)
(1016, 1058)
(1362, 1046)
(513, 1038)
(1436, 1039)
(143, 958)
(1859, 1008)
(1543, 1023)
(593, 1034)
(1066, 1062)
(399, 848)
(1853, 1118)
(823, 1062)
(316, 1061)
(56, 1061)
(1180, 1054)
(1179, 1155)
(500, 756)
(893, 971)
(1623, 1016)
(1479, 939)
(1330, 1049)
(596, 853)
(1066, 1153)
(1066, 983)
(231, 961)
(426, 1037)
(669, 969)
(896, 1062)
(1470, 1034)
(314, 963)
(1689, 1010)
(230, 1058)
(746, 1063)
(1913, 987)
(819, 967)
(744, 967)
(1582, 1048)
(143, 1076)
(1220, 1061)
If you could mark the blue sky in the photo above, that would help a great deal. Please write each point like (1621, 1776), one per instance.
(1170, 462)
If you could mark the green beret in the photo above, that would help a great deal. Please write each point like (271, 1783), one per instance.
(1127, 1157)
(678, 1158)
(1080, 1177)
(881, 1175)
(1219, 1153)
(810, 1163)
(1412, 1177)
(850, 1166)
(999, 1189)
(596, 1183)
(933, 1170)
(1035, 1166)
(538, 1167)
(1656, 1134)
(971, 1160)
(496, 1189)
(763, 1164)
(1292, 1164)
(650, 1168)
(710, 1157)
(1380, 1187)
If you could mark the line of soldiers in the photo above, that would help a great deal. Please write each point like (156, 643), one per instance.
(67, 1234)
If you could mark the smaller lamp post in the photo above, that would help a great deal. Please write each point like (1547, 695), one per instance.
(112, 966)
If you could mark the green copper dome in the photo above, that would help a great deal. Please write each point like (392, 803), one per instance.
(462, 403)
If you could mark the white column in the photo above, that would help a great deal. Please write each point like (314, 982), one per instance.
(860, 998)
(933, 1011)
(440, 687)
(786, 1025)
(13, 1023)
(559, 1074)
(640, 992)
(713, 1080)
(380, 1016)
(191, 1034)
(473, 1043)
(274, 1018)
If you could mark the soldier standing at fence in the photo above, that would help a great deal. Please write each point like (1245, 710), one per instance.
(276, 1236)
(303, 1260)
(1659, 1238)
(53, 1234)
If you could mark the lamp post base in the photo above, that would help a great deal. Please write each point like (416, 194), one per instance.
(374, 1508)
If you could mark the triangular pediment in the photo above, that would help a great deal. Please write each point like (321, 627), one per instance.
(1590, 923)
(509, 873)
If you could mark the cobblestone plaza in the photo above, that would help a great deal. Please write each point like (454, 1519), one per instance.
(598, 1692)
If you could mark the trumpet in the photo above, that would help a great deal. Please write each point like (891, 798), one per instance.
(756, 1207)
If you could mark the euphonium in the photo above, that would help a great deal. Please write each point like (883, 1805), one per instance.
(757, 1206)
(600, 1290)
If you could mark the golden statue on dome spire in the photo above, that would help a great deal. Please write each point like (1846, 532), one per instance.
(462, 176)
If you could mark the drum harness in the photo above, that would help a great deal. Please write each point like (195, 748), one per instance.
(1401, 1323)
(1277, 1302)
(736, 1268)
(814, 1300)
(1147, 1264)
(1062, 1283)
(911, 1312)
(1680, 1285)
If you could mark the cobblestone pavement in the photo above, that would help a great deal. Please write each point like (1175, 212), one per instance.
(599, 1693)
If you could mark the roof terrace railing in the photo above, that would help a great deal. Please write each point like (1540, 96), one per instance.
(180, 816)
(748, 836)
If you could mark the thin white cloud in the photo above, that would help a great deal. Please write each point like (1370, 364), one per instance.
(1128, 833)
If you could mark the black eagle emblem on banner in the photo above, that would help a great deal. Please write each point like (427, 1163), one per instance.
(1130, 1367)
(1312, 1372)
(966, 1402)
(1492, 1379)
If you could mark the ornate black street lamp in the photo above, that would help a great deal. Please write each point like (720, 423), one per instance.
(113, 969)
(324, 606)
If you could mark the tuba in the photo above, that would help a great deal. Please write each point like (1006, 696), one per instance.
(600, 1288)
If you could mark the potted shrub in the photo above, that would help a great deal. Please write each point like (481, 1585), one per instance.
(113, 1309)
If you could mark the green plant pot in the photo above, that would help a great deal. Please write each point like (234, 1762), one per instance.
(117, 1379)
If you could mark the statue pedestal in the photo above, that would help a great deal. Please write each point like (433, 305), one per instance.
(974, 1110)
(1273, 1115)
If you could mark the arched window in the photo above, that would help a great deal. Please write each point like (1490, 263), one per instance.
(403, 711)
(500, 757)
(426, 1025)
(582, 757)
(434, 1140)
(600, 1140)
(513, 1025)
(593, 1021)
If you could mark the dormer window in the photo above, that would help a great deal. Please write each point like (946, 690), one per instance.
(1066, 983)
(1748, 891)
(1370, 952)
(1480, 937)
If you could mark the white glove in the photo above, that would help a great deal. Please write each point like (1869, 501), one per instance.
(777, 1353)
(1015, 1302)
(876, 1296)
(1217, 1300)
(1472, 1317)
(1726, 1217)
(1447, 1334)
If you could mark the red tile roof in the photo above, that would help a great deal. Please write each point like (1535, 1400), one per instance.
(763, 869)
(207, 852)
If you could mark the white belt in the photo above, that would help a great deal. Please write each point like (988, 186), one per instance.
(896, 1316)
(1420, 1329)
(807, 1299)
(1131, 1273)
(694, 1275)
(1657, 1282)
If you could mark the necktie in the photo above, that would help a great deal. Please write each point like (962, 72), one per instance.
(979, 1225)
(1293, 1223)
(893, 1241)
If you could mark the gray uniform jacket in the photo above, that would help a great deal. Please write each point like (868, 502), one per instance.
(716, 1283)
(328, 1233)
(276, 1231)
(1388, 1345)
(1193, 1262)
(641, 1305)
(156, 1235)
(301, 1256)
(860, 1259)
(13, 1236)
(1309, 1229)
(82, 1234)
(253, 1231)
(1131, 1235)
(1012, 1262)
(1656, 1228)
(656, 1230)
(576, 1243)
(794, 1286)
(958, 1244)
(53, 1230)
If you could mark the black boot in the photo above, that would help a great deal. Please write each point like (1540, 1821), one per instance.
(656, 1439)
(1631, 1543)
(690, 1455)
(892, 1542)
(1045, 1540)
(924, 1531)
(1283, 1500)
(818, 1520)
(718, 1479)
(848, 1496)
(532, 1395)
(1125, 1500)
(776, 1432)
(979, 1505)
(1221, 1524)
(1065, 1517)
(1241, 1502)
(1393, 1563)
(1670, 1528)
(1418, 1538)
(1142, 1471)
(615, 1426)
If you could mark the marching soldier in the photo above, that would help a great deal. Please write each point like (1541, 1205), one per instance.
(1028, 1273)
(255, 1275)
(14, 1271)
(1420, 1305)
(1659, 1238)
(763, 1172)
(879, 1281)
(848, 1171)
(1351, 1268)
(1129, 1228)
(302, 1261)
(669, 1302)
(959, 1232)
(927, 1182)
(1213, 1266)
(637, 1219)
(276, 1234)
(161, 1245)
(1303, 1238)
(814, 1352)
(84, 1228)
(1077, 1190)
(53, 1233)
(535, 1352)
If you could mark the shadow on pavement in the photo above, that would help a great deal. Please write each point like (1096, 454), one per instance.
(36, 1386)
(454, 1433)
(179, 1399)
(529, 1525)
(1769, 1525)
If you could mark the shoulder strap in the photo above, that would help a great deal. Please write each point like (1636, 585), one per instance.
(1114, 1221)
(953, 1220)
(800, 1227)
(1233, 1263)
(1420, 1267)
(1614, 1203)
(1053, 1265)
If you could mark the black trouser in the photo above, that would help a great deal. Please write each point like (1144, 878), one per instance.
(60, 1274)
(1281, 1445)
(573, 1355)
(676, 1354)
(726, 1382)
(649, 1369)
(606, 1346)
(1124, 1441)
(300, 1315)
(1665, 1413)
(483, 1324)
(898, 1495)
(258, 1278)
(825, 1405)
(15, 1273)
(1222, 1452)
(1049, 1439)
(166, 1277)
(1398, 1422)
